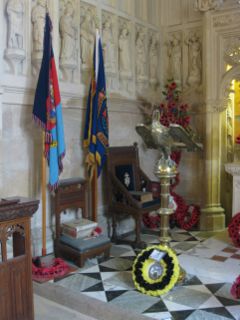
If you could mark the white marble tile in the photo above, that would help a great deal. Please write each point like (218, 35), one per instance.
(173, 306)
(99, 295)
(235, 311)
(212, 302)
(87, 269)
(205, 267)
(159, 315)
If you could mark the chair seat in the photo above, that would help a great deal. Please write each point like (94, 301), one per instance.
(83, 245)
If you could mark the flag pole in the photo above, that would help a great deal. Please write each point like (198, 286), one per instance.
(94, 189)
(44, 251)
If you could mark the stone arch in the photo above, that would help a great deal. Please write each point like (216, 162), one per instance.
(227, 137)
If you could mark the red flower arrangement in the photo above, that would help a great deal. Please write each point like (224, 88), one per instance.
(235, 289)
(234, 230)
(42, 272)
(237, 139)
(172, 110)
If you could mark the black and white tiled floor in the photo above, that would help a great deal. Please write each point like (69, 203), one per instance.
(198, 298)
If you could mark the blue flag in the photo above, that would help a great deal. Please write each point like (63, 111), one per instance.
(96, 124)
(47, 109)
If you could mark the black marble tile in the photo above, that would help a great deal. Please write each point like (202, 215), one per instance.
(228, 302)
(214, 287)
(181, 315)
(94, 275)
(106, 269)
(96, 287)
(157, 307)
(191, 280)
(114, 294)
(219, 311)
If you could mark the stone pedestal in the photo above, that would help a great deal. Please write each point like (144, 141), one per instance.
(234, 170)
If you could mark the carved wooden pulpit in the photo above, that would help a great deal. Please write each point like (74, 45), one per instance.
(16, 296)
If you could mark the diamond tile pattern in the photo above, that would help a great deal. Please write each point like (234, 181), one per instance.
(197, 298)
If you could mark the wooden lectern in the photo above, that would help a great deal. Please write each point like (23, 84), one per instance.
(16, 296)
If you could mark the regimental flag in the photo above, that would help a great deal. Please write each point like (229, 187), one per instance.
(96, 124)
(47, 109)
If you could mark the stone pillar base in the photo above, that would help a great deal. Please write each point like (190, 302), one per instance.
(212, 219)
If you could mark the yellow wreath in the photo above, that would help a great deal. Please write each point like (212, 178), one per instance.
(168, 271)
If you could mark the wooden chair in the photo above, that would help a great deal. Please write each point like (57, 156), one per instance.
(125, 175)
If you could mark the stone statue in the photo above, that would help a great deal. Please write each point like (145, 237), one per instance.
(124, 51)
(68, 32)
(140, 55)
(175, 58)
(153, 60)
(195, 61)
(108, 45)
(15, 12)
(38, 21)
(87, 37)
(205, 5)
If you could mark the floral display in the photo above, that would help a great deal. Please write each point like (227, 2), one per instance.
(168, 278)
(234, 229)
(172, 110)
(235, 289)
(42, 272)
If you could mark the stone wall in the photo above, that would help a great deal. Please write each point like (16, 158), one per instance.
(145, 42)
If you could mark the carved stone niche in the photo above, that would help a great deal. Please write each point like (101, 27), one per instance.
(38, 22)
(109, 45)
(109, 42)
(194, 43)
(88, 24)
(69, 37)
(124, 55)
(15, 53)
(153, 59)
(174, 53)
(141, 59)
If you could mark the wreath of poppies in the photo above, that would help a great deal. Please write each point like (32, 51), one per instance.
(235, 289)
(42, 272)
(234, 230)
(168, 278)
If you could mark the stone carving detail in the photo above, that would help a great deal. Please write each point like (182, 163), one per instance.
(68, 33)
(232, 51)
(206, 5)
(230, 133)
(38, 23)
(174, 51)
(124, 51)
(15, 52)
(225, 20)
(141, 58)
(194, 59)
(87, 34)
(218, 106)
(108, 44)
(153, 59)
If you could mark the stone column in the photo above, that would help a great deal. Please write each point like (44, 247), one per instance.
(212, 214)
